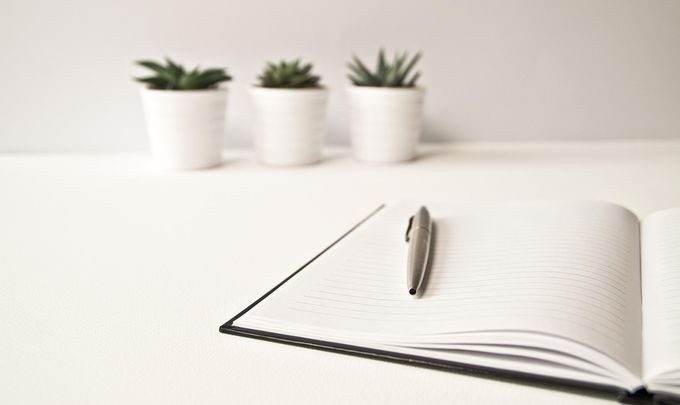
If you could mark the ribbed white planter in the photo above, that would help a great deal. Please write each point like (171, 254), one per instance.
(289, 124)
(186, 127)
(385, 123)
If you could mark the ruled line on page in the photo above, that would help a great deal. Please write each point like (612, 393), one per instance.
(371, 297)
(471, 302)
(456, 280)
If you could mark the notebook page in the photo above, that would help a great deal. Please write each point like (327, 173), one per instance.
(560, 269)
(661, 292)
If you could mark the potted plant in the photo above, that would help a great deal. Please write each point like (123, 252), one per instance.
(290, 113)
(386, 109)
(185, 114)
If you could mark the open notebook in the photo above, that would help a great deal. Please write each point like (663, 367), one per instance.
(579, 293)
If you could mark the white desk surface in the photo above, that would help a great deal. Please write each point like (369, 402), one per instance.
(114, 277)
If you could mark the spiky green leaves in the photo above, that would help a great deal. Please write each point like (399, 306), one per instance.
(289, 75)
(173, 76)
(387, 74)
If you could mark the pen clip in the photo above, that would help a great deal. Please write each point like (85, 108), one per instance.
(408, 229)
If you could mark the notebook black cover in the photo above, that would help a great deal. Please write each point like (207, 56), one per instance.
(591, 389)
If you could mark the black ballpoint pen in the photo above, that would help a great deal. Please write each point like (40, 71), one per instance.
(419, 237)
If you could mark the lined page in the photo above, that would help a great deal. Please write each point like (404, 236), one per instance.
(661, 292)
(570, 270)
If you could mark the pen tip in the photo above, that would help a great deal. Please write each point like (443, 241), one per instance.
(412, 291)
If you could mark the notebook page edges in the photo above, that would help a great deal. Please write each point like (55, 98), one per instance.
(661, 300)
(567, 270)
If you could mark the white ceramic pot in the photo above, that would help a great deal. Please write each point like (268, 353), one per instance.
(385, 123)
(289, 124)
(186, 127)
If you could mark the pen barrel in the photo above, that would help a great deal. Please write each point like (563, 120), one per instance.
(418, 255)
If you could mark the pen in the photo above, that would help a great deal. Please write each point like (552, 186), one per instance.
(419, 238)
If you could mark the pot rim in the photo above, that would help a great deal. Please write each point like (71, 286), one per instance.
(299, 90)
(221, 89)
(378, 89)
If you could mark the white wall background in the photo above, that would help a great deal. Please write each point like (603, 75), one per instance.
(495, 69)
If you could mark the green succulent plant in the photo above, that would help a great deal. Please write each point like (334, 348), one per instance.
(396, 73)
(173, 76)
(290, 75)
